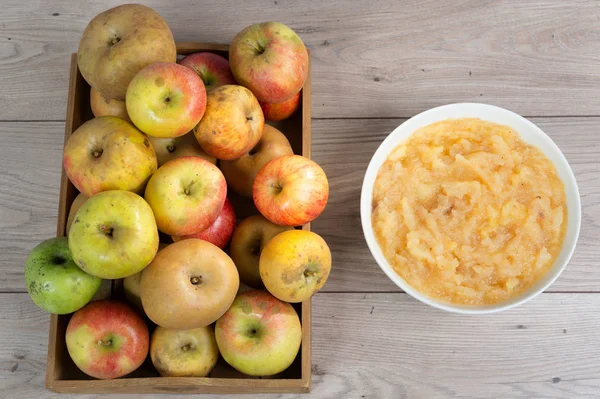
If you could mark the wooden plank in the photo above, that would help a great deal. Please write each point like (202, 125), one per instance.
(30, 161)
(383, 59)
(390, 346)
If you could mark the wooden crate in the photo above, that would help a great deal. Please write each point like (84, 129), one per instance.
(61, 373)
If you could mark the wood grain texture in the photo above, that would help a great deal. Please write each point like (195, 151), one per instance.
(30, 160)
(382, 59)
(389, 346)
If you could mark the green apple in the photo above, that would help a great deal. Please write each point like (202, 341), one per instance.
(259, 335)
(54, 281)
(114, 234)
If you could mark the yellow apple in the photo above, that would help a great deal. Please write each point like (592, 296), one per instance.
(102, 106)
(232, 124)
(184, 353)
(176, 147)
(75, 205)
(295, 264)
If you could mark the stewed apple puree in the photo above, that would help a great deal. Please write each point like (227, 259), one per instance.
(468, 213)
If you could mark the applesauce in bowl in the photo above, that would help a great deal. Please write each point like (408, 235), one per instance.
(466, 215)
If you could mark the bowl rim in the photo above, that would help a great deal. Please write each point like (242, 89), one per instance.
(482, 111)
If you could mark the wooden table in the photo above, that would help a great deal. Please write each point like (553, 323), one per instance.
(374, 64)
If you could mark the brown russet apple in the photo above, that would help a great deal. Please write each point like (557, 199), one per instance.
(270, 59)
(189, 284)
(108, 153)
(240, 173)
(184, 353)
(131, 286)
(218, 233)
(102, 106)
(213, 69)
(75, 205)
(186, 195)
(165, 99)
(259, 335)
(295, 264)
(232, 124)
(291, 190)
(247, 243)
(279, 111)
(176, 147)
(118, 43)
(107, 339)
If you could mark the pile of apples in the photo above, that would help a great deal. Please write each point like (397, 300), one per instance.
(153, 207)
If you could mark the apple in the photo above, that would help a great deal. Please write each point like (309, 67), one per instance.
(220, 232)
(186, 195)
(247, 243)
(290, 190)
(270, 59)
(295, 264)
(102, 106)
(118, 43)
(132, 286)
(107, 339)
(184, 353)
(113, 235)
(279, 111)
(108, 153)
(232, 124)
(259, 335)
(54, 282)
(189, 284)
(176, 147)
(75, 205)
(166, 99)
(212, 68)
(240, 173)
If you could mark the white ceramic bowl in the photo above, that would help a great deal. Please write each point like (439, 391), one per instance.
(531, 134)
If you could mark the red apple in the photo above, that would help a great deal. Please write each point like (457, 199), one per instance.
(271, 60)
(107, 339)
(166, 99)
(186, 195)
(220, 232)
(280, 111)
(290, 190)
(259, 335)
(212, 68)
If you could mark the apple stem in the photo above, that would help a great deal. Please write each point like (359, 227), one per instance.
(195, 280)
(108, 342)
(185, 347)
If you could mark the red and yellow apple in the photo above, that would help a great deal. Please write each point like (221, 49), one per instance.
(108, 153)
(184, 353)
(102, 106)
(240, 173)
(279, 111)
(186, 195)
(213, 69)
(295, 264)
(75, 205)
(107, 339)
(270, 59)
(259, 335)
(166, 99)
(247, 243)
(189, 284)
(176, 147)
(291, 190)
(218, 233)
(118, 43)
(113, 235)
(233, 123)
